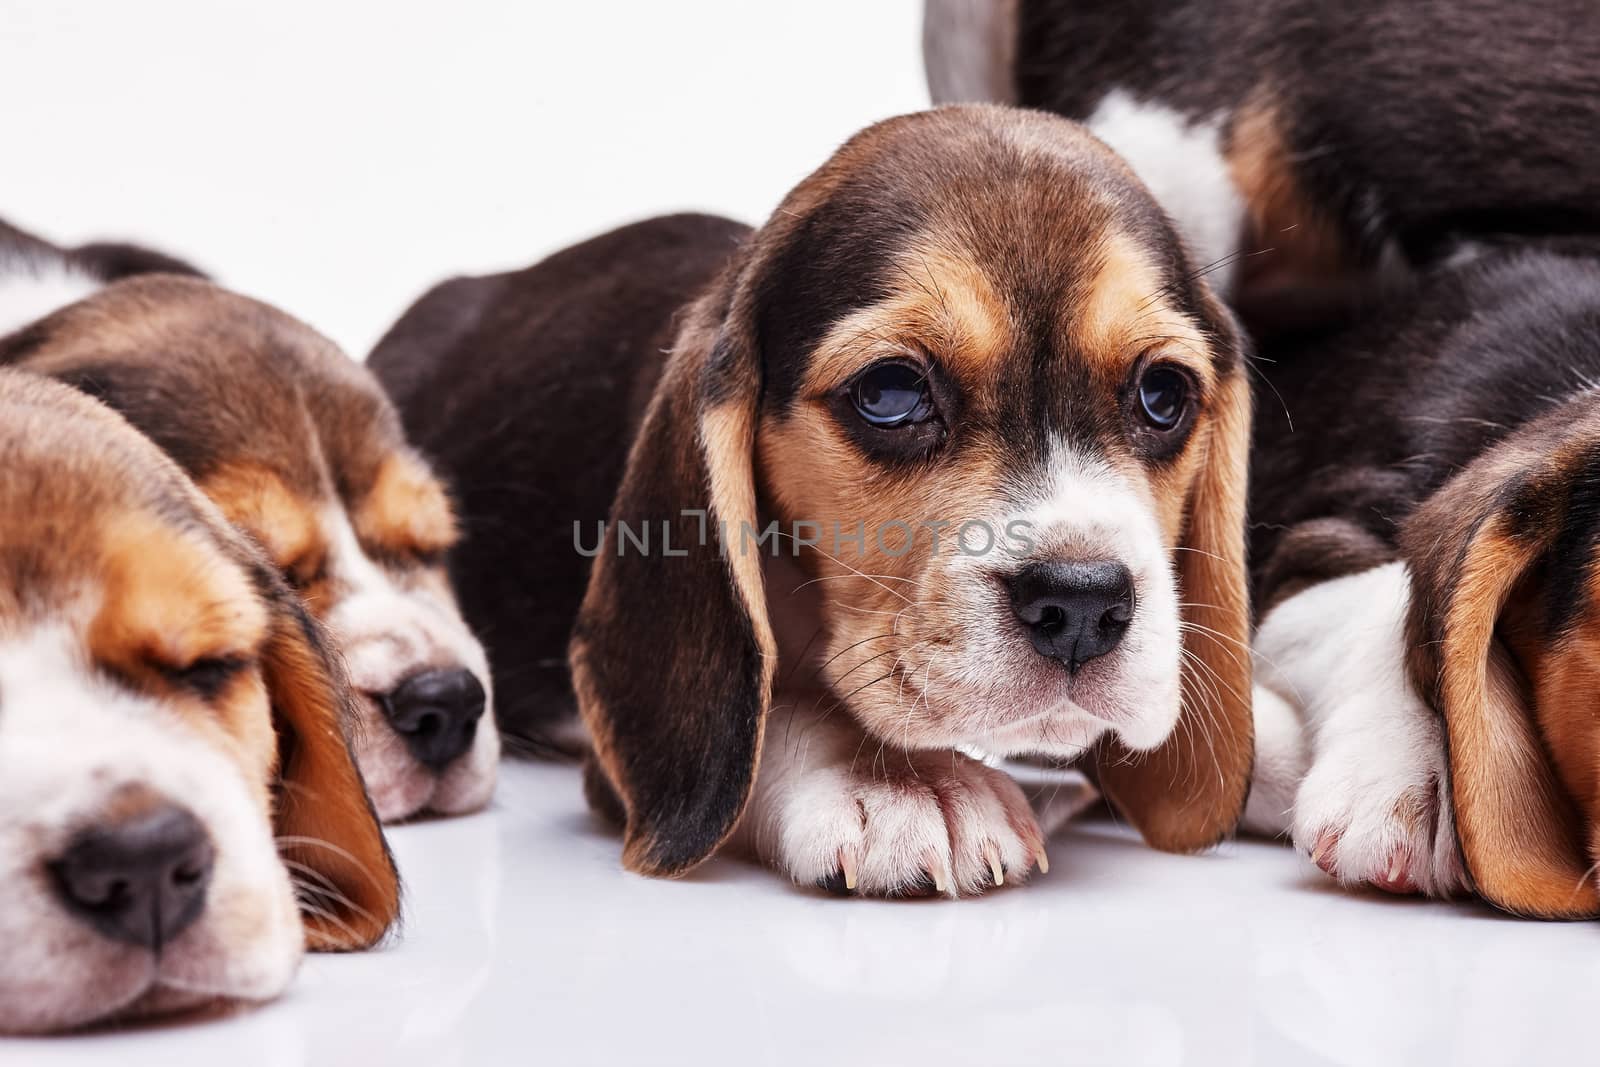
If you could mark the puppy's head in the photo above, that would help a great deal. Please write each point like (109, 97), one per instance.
(1505, 629)
(967, 371)
(298, 446)
(179, 810)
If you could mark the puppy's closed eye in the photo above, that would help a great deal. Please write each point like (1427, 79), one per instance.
(208, 676)
(307, 571)
(409, 556)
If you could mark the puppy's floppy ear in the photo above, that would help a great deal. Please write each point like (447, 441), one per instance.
(1475, 547)
(1188, 793)
(672, 654)
(326, 829)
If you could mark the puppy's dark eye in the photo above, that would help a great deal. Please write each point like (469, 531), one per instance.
(892, 394)
(1163, 397)
(209, 675)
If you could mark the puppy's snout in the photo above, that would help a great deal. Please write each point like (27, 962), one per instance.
(141, 880)
(1074, 612)
(437, 714)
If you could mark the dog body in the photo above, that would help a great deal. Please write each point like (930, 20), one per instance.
(564, 357)
(299, 446)
(1426, 516)
(919, 461)
(1328, 143)
(1351, 154)
(175, 776)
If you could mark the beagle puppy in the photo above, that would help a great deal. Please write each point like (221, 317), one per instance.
(949, 456)
(1426, 517)
(1381, 543)
(180, 812)
(1253, 122)
(298, 446)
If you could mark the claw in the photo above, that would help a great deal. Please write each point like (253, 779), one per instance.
(1322, 854)
(1398, 878)
(993, 855)
(847, 864)
(833, 883)
(1042, 860)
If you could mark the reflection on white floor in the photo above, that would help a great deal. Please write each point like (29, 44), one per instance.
(525, 943)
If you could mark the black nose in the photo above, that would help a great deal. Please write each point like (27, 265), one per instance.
(437, 713)
(1074, 612)
(141, 880)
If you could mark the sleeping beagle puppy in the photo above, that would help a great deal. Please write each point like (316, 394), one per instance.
(180, 813)
(948, 456)
(299, 446)
(1253, 122)
(1426, 516)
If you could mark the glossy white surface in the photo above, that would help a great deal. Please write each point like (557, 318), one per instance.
(526, 943)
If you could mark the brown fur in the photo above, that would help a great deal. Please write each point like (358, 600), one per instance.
(1455, 428)
(324, 819)
(712, 441)
(169, 601)
(406, 513)
(273, 421)
(1291, 240)
(1566, 683)
(1171, 794)
(1511, 692)
(300, 448)
(282, 520)
(676, 729)
(109, 517)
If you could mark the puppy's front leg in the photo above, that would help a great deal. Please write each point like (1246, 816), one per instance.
(1374, 805)
(835, 808)
(1283, 755)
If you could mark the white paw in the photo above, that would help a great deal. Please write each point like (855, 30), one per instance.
(1374, 806)
(1373, 812)
(902, 824)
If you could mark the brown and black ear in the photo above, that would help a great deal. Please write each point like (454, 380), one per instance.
(672, 654)
(326, 828)
(112, 261)
(1475, 550)
(1189, 793)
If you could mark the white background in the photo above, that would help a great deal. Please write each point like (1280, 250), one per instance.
(336, 159)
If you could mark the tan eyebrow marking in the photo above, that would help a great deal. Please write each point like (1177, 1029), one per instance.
(940, 301)
(257, 499)
(1124, 312)
(168, 599)
(406, 510)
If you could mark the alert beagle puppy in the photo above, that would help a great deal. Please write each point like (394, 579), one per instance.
(1380, 565)
(180, 813)
(948, 456)
(1426, 509)
(1253, 123)
(299, 446)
